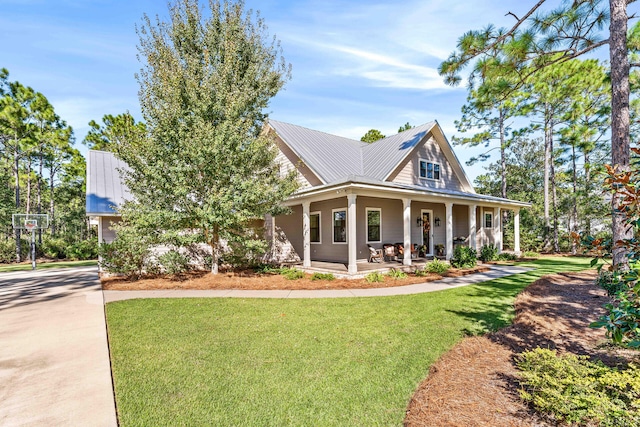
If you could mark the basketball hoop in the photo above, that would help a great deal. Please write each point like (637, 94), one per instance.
(30, 224)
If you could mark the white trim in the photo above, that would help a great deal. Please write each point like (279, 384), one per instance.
(321, 193)
(433, 165)
(346, 228)
(379, 210)
(319, 213)
(430, 212)
(484, 219)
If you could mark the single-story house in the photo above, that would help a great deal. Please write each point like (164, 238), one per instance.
(408, 188)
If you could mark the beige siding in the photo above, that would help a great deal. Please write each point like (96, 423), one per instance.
(286, 236)
(408, 171)
(327, 250)
(460, 221)
(289, 161)
(485, 235)
(109, 235)
(392, 224)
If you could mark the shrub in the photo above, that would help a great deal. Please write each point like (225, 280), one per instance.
(322, 276)
(174, 262)
(464, 257)
(292, 273)
(54, 247)
(7, 251)
(84, 249)
(267, 269)
(129, 254)
(507, 256)
(531, 254)
(437, 266)
(574, 390)
(374, 276)
(610, 283)
(397, 274)
(488, 253)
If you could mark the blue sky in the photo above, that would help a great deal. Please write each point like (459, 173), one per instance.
(357, 65)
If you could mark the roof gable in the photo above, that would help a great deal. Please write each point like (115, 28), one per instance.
(333, 158)
(330, 157)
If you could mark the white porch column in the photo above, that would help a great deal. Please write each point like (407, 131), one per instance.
(306, 234)
(406, 205)
(473, 244)
(516, 231)
(352, 244)
(497, 228)
(100, 238)
(449, 222)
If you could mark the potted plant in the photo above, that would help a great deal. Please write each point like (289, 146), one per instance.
(439, 249)
(422, 251)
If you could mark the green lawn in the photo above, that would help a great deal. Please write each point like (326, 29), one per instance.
(48, 264)
(320, 362)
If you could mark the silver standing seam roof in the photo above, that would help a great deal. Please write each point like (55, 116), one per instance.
(334, 159)
(105, 188)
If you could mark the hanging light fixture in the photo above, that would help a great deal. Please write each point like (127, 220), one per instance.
(437, 221)
(419, 222)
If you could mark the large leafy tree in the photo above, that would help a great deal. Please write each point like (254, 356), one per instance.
(541, 38)
(206, 166)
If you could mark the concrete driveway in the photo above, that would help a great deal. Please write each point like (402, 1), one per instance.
(54, 358)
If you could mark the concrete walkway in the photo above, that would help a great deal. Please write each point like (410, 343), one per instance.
(54, 358)
(496, 272)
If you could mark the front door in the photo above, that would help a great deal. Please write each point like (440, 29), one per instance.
(426, 231)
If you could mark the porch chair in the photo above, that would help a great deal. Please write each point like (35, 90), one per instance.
(375, 255)
(389, 251)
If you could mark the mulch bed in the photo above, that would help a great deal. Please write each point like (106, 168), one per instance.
(476, 383)
(251, 280)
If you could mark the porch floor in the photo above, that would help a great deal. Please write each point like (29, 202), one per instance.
(341, 269)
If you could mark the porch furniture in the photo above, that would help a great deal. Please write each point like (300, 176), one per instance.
(375, 255)
(400, 250)
(389, 251)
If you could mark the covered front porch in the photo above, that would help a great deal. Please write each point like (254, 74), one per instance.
(334, 230)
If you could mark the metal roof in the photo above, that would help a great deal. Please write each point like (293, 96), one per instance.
(331, 157)
(381, 157)
(105, 188)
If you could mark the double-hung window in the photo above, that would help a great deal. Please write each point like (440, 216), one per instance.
(339, 221)
(488, 220)
(429, 170)
(314, 228)
(374, 225)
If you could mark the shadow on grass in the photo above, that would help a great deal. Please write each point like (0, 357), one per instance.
(492, 308)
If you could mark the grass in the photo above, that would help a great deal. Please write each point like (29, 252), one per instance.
(48, 264)
(295, 362)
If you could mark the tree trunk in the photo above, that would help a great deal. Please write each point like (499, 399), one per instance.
(52, 223)
(503, 164)
(619, 62)
(552, 177)
(587, 192)
(16, 176)
(28, 204)
(39, 189)
(214, 243)
(547, 157)
(574, 213)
